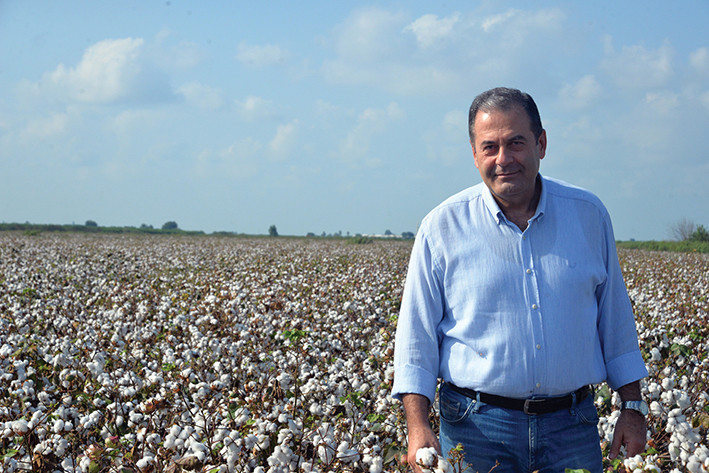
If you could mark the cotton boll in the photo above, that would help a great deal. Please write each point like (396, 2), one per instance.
(655, 408)
(655, 354)
(326, 453)
(683, 400)
(693, 465)
(68, 465)
(426, 456)
(58, 426)
(145, 464)
(377, 465)
(61, 447)
(654, 390)
(20, 427)
(668, 384)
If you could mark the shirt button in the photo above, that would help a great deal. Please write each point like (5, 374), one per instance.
(529, 271)
(539, 347)
(524, 237)
(534, 306)
(538, 384)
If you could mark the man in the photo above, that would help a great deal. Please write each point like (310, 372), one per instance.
(515, 299)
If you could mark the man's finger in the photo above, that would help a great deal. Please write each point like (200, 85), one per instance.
(615, 446)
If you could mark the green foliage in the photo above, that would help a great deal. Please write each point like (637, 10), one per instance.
(272, 231)
(700, 234)
(33, 229)
(689, 246)
(169, 225)
(91, 223)
(294, 335)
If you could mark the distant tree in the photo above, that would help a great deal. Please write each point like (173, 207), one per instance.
(388, 232)
(310, 234)
(683, 229)
(91, 223)
(272, 231)
(169, 225)
(145, 226)
(700, 234)
(407, 235)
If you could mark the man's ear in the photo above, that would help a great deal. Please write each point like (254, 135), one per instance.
(542, 143)
(475, 155)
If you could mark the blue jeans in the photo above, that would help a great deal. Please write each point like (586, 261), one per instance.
(549, 443)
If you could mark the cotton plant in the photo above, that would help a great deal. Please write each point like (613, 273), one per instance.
(229, 355)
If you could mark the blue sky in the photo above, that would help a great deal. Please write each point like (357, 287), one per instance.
(340, 116)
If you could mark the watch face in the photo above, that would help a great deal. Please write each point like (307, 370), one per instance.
(640, 406)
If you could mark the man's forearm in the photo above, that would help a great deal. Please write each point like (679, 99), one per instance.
(420, 434)
(630, 392)
(630, 429)
(416, 408)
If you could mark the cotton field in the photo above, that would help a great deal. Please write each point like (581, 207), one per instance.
(167, 353)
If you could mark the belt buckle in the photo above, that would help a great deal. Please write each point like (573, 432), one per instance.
(528, 403)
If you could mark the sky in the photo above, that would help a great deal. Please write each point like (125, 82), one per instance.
(343, 116)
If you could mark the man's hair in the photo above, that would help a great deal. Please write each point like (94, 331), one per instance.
(503, 98)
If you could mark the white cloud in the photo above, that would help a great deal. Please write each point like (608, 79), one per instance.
(45, 127)
(109, 71)
(183, 55)
(699, 60)
(282, 143)
(638, 67)
(491, 22)
(582, 93)
(255, 108)
(133, 121)
(261, 55)
(329, 111)
(371, 122)
(662, 102)
(517, 26)
(202, 96)
(238, 160)
(448, 143)
(369, 35)
(429, 29)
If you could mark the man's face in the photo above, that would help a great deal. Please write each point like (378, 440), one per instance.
(507, 154)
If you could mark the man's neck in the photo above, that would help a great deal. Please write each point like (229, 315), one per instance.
(519, 211)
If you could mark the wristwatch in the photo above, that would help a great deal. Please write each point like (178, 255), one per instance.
(639, 406)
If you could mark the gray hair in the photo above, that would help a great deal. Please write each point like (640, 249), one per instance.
(503, 98)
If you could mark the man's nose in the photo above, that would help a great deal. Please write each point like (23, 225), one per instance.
(504, 156)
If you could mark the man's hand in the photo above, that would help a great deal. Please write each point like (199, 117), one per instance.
(419, 429)
(630, 428)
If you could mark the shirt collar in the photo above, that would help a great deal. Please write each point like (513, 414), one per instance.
(494, 209)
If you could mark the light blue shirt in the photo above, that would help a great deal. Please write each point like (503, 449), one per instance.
(539, 312)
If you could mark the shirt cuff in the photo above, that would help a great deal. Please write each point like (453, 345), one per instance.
(415, 380)
(625, 369)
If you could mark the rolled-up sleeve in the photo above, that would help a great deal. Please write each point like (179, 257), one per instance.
(616, 322)
(416, 353)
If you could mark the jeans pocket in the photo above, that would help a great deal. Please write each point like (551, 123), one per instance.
(454, 407)
(586, 412)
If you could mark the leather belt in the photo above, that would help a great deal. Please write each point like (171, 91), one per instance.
(528, 406)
